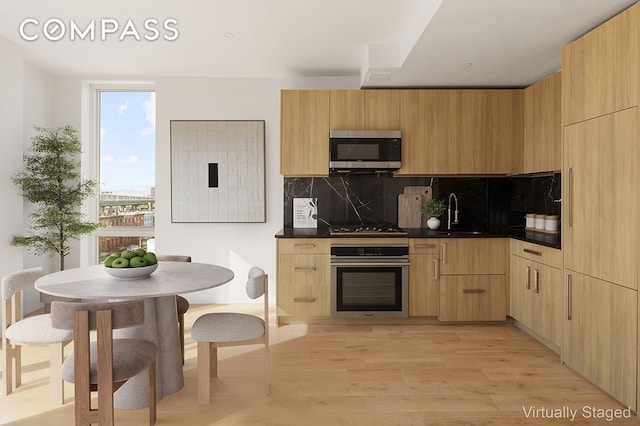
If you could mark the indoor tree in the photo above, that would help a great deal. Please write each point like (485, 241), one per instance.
(51, 181)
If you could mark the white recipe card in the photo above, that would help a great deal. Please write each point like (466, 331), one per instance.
(305, 212)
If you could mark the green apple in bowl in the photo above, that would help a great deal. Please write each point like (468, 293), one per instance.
(108, 262)
(120, 262)
(150, 257)
(131, 264)
(128, 254)
(138, 262)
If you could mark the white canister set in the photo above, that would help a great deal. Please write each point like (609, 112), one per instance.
(542, 222)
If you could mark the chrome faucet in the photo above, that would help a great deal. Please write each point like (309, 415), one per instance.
(455, 213)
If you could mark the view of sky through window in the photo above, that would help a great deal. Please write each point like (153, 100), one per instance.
(127, 142)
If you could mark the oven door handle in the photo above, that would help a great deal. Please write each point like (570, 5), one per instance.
(375, 264)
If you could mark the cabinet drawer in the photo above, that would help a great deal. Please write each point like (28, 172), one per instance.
(303, 245)
(304, 301)
(537, 253)
(303, 269)
(473, 298)
(303, 285)
(424, 245)
(481, 256)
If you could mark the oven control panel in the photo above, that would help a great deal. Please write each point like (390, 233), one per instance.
(351, 251)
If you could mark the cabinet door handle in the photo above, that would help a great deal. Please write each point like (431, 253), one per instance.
(424, 246)
(443, 249)
(568, 296)
(534, 252)
(305, 246)
(473, 290)
(304, 269)
(569, 209)
(527, 281)
(436, 269)
(536, 283)
(304, 299)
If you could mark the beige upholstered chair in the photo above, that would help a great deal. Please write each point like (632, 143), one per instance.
(220, 329)
(107, 363)
(182, 304)
(33, 330)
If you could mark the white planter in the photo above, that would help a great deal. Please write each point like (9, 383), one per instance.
(433, 223)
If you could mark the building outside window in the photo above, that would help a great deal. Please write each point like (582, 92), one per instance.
(126, 169)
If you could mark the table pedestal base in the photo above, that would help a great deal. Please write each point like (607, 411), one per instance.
(160, 319)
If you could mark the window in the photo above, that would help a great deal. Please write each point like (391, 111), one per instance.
(124, 164)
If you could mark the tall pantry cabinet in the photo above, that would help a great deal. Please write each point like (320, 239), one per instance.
(600, 93)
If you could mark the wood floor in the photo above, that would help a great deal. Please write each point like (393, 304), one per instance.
(358, 375)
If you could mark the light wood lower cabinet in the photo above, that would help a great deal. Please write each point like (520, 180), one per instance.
(600, 336)
(473, 298)
(536, 299)
(473, 279)
(424, 285)
(303, 278)
(474, 256)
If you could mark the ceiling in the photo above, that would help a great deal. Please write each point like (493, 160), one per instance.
(386, 43)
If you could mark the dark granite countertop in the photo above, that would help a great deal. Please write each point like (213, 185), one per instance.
(321, 232)
(544, 239)
(517, 232)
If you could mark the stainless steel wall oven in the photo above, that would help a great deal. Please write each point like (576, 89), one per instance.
(369, 281)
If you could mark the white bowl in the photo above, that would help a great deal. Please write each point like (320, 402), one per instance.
(131, 273)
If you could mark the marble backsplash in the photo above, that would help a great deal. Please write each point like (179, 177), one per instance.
(489, 204)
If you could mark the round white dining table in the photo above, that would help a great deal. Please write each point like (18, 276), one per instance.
(160, 326)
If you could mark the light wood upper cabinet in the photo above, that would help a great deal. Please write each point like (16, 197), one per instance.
(443, 132)
(347, 110)
(304, 133)
(504, 131)
(543, 126)
(600, 202)
(600, 69)
(365, 109)
(383, 109)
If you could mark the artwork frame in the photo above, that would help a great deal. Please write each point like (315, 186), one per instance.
(217, 171)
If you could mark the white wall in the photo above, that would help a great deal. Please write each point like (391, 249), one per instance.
(11, 129)
(27, 100)
(38, 111)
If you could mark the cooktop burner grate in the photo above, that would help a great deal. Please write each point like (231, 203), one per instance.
(365, 230)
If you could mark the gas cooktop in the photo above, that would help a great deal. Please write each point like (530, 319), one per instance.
(365, 230)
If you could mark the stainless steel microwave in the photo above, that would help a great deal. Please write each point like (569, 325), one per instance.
(364, 151)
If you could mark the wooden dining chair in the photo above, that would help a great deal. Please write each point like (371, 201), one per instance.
(107, 363)
(33, 330)
(182, 304)
(219, 329)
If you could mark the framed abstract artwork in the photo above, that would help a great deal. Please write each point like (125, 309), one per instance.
(217, 171)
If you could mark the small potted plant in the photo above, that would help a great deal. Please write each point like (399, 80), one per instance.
(433, 209)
